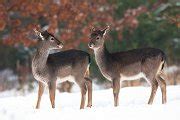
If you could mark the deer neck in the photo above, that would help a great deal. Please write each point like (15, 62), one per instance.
(101, 57)
(40, 59)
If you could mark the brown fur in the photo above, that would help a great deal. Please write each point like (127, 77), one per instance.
(119, 66)
(47, 68)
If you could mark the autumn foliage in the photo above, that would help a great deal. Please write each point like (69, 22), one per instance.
(70, 20)
(65, 18)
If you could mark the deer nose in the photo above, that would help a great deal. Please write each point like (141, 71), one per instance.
(60, 45)
(91, 45)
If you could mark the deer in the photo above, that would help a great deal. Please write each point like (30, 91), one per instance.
(147, 63)
(51, 69)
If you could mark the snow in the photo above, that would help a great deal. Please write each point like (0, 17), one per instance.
(133, 106)
(172, 69)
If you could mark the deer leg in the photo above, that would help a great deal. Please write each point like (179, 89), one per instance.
(154, 86)
(116, 88)
(40, 92)
(89, 87)
(52, 91)
(83, 95)
(162, 85)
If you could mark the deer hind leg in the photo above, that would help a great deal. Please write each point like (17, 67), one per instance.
(154, 87)
(40, 92)
(52, 92)
(162, 83)
(89, 88)
(116, 88)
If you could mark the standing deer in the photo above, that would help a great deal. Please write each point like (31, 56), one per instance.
(48, 69)
(147, 63)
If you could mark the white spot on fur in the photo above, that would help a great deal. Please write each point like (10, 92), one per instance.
(159, 68)
(41, 36)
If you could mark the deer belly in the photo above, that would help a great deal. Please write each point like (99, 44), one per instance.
(133, 77)
(69, 78)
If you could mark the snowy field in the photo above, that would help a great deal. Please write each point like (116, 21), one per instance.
(133, 106)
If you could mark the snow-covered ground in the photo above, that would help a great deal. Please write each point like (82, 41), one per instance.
(133, 106)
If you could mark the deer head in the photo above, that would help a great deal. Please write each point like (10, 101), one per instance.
(97, 37)
(48, 40)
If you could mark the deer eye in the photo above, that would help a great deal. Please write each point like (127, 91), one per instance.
(97, 38)
(52, 38)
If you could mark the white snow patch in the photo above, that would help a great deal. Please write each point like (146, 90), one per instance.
(133, 106)
(172, 69)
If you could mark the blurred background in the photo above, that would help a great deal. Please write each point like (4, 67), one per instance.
(133, 24)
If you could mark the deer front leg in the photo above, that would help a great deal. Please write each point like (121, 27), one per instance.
(83, 95)
(40, 92)
(116, 88)
(52, 92)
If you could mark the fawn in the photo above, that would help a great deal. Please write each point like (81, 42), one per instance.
(48, 69)
(147, 63)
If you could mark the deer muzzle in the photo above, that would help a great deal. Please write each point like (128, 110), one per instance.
(91, 45)
(60, 45)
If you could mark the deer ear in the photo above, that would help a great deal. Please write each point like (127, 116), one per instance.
(38, 34)
(104, 31)
(92, 29)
